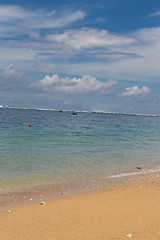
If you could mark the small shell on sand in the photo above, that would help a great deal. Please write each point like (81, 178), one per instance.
(42, 203)
(8, 211)
(129, 235)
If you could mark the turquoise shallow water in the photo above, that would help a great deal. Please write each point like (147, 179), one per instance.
(60, 147)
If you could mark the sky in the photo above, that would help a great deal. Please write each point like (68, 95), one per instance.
(81, 55)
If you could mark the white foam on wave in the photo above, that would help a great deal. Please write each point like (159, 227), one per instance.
(82, 111)
(135, 173)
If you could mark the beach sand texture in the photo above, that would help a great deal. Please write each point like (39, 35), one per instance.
(126, 211)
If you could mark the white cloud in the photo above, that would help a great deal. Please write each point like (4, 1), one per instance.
(10, 66)
(89, 38)
(8, 12)
(155, 14)
(134, 91)
(139, 61)
(45, 67)
(67, 85)
(10, 70)
(14, 54)
(10, 78)
(147, 35)
(20, 21)
(134, 56)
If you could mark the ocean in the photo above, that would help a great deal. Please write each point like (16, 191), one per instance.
(61, 148)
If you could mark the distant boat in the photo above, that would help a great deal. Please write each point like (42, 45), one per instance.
(60, 111)
(74, 113)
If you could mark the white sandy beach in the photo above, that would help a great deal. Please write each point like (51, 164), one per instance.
(128, 210)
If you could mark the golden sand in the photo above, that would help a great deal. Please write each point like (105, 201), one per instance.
(126, 211)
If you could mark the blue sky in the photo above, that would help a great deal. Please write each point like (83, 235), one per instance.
(88, 55)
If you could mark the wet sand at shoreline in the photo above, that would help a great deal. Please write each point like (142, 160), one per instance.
(20, 197)
(122, 211)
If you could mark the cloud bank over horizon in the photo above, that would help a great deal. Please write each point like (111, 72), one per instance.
(125, 56)
(53, 51)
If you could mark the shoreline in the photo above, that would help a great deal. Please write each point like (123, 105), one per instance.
(129, 209)
(40, 193)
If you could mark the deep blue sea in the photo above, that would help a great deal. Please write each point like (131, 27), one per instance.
(60, 147)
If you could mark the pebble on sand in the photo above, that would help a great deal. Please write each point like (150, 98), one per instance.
(63, 193)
